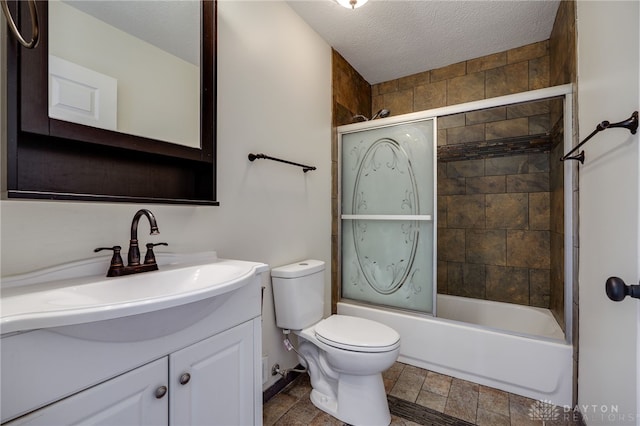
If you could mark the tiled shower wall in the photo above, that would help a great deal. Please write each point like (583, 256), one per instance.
(493, 229)
(512, 71)
(494, 204)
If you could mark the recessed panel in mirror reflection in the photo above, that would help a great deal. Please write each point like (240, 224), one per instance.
(128, 66)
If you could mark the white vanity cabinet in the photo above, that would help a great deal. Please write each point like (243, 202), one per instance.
(208, 383)
(138, 397)
(197, 363)
(212, 382)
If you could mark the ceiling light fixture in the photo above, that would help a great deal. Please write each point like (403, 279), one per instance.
(351, 4)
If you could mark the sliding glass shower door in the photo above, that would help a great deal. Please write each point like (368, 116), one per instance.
(388, 215)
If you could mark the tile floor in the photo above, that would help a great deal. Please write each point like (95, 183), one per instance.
(417, 396)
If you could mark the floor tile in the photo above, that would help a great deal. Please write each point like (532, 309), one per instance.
(431, 400)
(421, 397)
(437, 383)
(489, 418)
(462, 402)
(409, 383)
(276, 408)
(493, 400)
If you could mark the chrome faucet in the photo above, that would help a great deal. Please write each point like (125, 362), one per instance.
(117, 268)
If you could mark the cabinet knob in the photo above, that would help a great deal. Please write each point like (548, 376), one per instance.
(161, 391)
(184, 379)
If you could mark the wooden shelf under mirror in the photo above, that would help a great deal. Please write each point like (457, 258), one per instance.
(53, 159)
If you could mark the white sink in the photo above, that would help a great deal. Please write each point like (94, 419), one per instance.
(79, 292)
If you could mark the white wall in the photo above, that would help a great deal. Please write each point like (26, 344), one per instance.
(274, 96)
(608, 89)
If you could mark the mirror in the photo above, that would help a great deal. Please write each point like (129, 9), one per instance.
(49, 157)
(127, 66)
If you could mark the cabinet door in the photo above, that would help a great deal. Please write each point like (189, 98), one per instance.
(219, 387)
(129, 399)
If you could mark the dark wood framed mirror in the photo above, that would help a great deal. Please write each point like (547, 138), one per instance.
(52, 159)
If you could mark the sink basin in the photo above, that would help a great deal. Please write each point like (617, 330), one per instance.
(79, 292)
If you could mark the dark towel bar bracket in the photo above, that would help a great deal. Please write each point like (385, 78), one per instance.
(630, 124)
(305, 168)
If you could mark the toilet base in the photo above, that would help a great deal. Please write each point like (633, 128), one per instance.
(361, 401)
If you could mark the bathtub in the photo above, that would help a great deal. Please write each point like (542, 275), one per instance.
(514, 348)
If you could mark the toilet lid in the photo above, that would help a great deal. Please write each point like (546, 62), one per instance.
(356, 334)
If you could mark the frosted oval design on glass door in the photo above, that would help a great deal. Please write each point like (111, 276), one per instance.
(385, 160)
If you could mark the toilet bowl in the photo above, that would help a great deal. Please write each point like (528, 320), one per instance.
(345, 356)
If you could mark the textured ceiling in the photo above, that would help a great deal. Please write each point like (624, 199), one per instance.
(388, 39)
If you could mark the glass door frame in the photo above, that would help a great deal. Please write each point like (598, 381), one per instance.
(569, 171)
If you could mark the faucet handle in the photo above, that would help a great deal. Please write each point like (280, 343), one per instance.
(116, 259)
(150, 257)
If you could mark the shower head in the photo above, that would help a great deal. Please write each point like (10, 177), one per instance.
(381, 114)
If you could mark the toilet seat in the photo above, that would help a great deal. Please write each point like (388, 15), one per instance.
(356, 334)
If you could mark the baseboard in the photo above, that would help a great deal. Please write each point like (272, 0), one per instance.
(274, 389)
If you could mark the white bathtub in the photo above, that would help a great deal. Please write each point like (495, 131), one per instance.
(511, 359)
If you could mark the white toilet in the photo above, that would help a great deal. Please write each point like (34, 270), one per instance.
(345, 355)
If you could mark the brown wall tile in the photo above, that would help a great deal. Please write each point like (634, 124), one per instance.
(506, 165)
(539, 125)
(508, 284)
(539, 73)
(465, 211)
(506, 80)
(531, 182)
(399, 102)
(528, 249)
(451, 245)
(442, 277)
(539, 217)
(468, 168)
(487, 62)
(486, 115)
(450, 71)
(528, 109)
(466, 280)
(386, 87)
(453, 120)
(529, 51)
(456, 135)
(451, 186)
(465, 134)
(442, 211)
(507, 128)
(487, 247)
(539, 287)
(414, 80)
(442, 137)
(486, 185)
(429, 96)
(507, 211)
(538, 163)
(466, 88)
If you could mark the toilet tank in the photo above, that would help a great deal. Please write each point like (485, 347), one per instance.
(298, 294)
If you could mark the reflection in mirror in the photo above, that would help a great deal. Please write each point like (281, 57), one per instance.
(128, 66)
